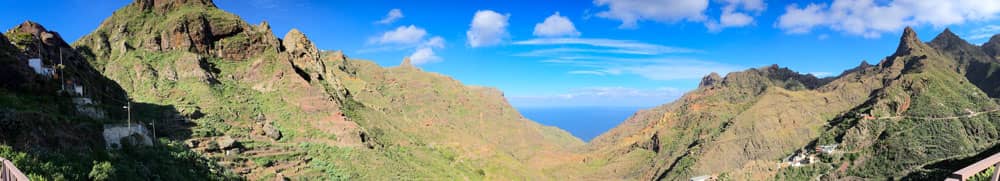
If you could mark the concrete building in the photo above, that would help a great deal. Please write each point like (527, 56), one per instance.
(114, 134)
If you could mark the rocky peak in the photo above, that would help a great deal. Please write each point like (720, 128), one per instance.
(772, 75)
(948, 40)
(50, 38)
(710, 79)
(864, 65)
(264, 26)
(163, 6)
(992, 47)
(298, 45)
(406, 62)
(909, 43)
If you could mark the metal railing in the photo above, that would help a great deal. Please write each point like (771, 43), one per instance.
(967, 172)
(10, 173)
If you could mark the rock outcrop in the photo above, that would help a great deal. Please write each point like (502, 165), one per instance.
(909, 43)
(710, 80)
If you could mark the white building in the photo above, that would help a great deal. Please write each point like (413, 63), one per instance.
(36, 65)
(828, 149)
(113, 135)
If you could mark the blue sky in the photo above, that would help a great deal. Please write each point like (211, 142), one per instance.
(592, 53)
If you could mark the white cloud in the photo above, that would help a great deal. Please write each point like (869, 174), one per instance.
(630, 46)
(604, 57)
(984, 32)
(435, 42)
(798, 21)
(587, 72)
(424, 55)
(487, 28)
(630, 12)
(601, 96)
(735, 19)
(871, 19)
(575, 51)
(407, 38)
(672, 69)
(402, 35)
(650, 68)
(735, 14)
(392, 16)
(556, 25)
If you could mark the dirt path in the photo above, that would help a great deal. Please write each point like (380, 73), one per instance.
(969, 115)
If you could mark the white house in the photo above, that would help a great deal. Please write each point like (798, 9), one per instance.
(36, 64)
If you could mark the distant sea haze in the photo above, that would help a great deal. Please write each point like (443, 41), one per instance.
(583, 122)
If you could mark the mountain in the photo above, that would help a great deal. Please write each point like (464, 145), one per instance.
(204, 95)
(918, 114)
(295, 111)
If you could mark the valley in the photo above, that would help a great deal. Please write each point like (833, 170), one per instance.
(214, 97)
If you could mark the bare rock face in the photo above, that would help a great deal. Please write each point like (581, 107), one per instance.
(191, 33)
(303, 54)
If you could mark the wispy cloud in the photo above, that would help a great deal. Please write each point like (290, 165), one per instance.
(871, 19)
(391, 16)
(564, 51)
(401, 35)
(407, 38)
(588, 72)
(623, 45)
(607, 57)
(664, 68)
(984, 32)
(601, 96)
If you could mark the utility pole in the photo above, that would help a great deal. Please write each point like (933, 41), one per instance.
(128, 109)
(62, 78)
(155, 140)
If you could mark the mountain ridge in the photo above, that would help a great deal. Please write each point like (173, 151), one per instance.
(243, 103)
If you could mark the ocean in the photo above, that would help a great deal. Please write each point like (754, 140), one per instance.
(583, 122)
